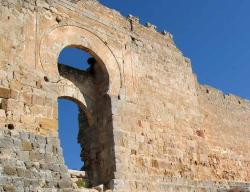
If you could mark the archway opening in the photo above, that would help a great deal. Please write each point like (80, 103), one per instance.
(86, 79)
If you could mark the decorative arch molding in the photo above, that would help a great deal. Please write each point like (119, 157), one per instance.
(73, 36)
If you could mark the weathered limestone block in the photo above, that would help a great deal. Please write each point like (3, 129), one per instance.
(46, 123)
(26, 146)
(4, 93)
(10, 170)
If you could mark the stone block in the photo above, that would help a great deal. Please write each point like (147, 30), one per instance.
(2, 113)
(14, 94)
(4, 93)
(16, 85)
(9, 170)
(27, 98)
(39, 84)
(49, 124)
(65, 183)
(33, 183)
(13, 105)
(45, 132)
(36, 156)
(23, 155)
(20, 172)
(41, 140)
(77, 174)
(28, 119)
(6, 142)
(37, 100)
(38, 110)
(48, 157)
(99, 188)
(26, 146)
(9, 188)
(24, 135)
(48, 101)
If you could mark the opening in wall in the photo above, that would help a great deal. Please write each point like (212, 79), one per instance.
(89, 78)
(75, 58)
(68, 112)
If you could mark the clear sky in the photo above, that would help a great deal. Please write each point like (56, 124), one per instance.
(214, 34)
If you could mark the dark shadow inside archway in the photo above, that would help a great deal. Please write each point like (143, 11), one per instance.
(95, 134)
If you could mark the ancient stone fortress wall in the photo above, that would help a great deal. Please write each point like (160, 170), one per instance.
(145, 122)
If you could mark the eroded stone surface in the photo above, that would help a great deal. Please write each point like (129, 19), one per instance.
(145, 124)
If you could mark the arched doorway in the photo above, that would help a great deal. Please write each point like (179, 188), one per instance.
(95, 134)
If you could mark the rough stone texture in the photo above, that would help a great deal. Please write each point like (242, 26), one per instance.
(145, 122)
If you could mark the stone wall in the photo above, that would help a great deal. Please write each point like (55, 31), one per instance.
(225, 135)
(150, 125)
(31, 162)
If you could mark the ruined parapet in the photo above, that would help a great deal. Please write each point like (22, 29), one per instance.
(145, 124)
(221, 99)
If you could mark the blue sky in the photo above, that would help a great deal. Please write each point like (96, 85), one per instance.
(68, 131)
(214, 34)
